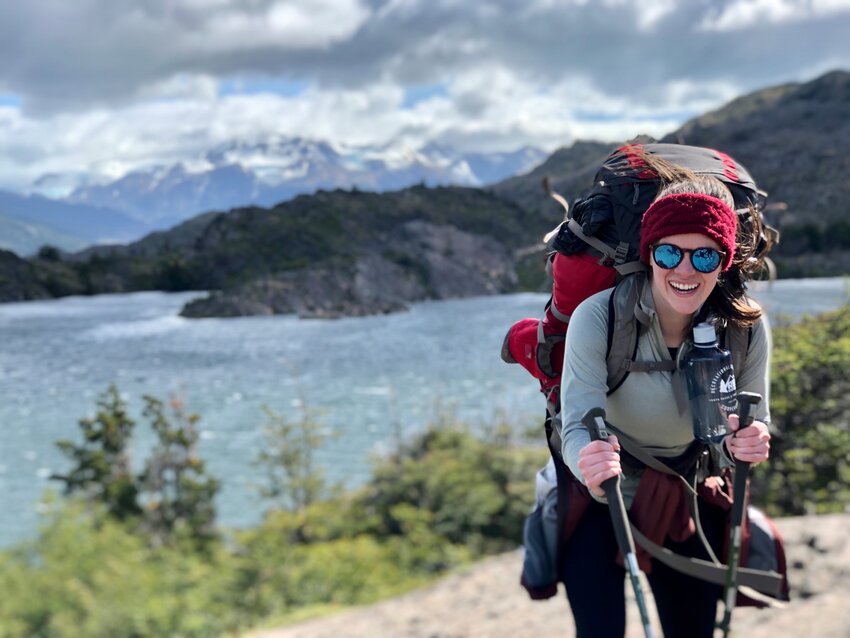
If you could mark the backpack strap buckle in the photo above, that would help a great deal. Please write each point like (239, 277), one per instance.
(621, 253)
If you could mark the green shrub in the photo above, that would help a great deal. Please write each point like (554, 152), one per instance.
(86, 575)
(809, 469)
(474, 491)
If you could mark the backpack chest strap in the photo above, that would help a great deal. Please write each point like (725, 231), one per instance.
(649, 366)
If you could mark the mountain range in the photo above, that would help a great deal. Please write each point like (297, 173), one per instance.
(348, 252)
(231, 175)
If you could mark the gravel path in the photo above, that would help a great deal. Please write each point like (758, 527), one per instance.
(486, 600)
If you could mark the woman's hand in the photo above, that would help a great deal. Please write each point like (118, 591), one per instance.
(750, 444)
(599, 461)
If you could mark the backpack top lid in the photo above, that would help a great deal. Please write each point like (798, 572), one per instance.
(606, 222)
(625, 166)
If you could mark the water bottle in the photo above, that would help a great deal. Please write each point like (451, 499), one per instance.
(711, 385)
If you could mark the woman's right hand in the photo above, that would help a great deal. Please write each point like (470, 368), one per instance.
(599, 461)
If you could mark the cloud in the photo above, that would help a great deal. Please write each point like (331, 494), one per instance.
(97, 52)
(489, 111)
(102, 53)
(739, 15)
(101, 86)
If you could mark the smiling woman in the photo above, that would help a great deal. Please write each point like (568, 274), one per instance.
(697, 267)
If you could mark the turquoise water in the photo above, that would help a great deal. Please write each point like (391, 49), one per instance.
(369, 378)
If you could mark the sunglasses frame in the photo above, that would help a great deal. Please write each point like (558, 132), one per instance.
(685, 252)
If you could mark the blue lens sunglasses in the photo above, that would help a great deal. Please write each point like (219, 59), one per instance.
(704, 260)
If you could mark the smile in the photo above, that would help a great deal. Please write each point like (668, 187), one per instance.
(684, 287)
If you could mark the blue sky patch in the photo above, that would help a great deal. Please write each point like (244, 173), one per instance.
(255, 85)
(417, 93)
(661, 116)
(10, 99)
(590, 116)
(665, 116)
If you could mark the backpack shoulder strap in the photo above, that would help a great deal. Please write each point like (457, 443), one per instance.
(622, 328)
(738, 340)
(625, 318)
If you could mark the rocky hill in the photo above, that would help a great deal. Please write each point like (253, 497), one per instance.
(486, 600)
(792, 139)
(571, 171)
(19, 280)
(331, 254)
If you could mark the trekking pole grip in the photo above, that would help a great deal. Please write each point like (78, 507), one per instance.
(594, 421)
(747, 401)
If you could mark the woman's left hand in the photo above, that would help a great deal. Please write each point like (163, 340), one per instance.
(750, 444)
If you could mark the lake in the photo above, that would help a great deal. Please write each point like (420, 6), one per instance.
(368, 378)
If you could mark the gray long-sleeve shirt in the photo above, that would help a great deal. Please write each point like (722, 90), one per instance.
(644, 406)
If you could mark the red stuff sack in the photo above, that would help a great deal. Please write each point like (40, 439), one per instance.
(538, 345)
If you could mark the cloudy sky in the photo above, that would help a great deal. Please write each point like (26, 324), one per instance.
(99, 87)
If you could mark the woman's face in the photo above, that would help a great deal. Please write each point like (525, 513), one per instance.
(683, 289)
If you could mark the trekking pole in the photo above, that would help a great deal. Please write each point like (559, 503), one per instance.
(746, 404)
(594, 421)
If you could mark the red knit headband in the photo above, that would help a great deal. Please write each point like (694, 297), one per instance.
(683, 213)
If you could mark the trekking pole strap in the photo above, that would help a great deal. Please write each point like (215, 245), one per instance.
(633, 448)
(766, 582)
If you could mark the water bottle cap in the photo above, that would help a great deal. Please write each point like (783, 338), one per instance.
(704, 334)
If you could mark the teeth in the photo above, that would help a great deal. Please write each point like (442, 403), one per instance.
(684, 287)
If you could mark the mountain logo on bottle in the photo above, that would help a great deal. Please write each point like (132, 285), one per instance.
(722, 384)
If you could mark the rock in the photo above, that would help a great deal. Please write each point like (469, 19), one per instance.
(457, 263)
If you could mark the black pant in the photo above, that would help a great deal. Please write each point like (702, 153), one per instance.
(596, 584)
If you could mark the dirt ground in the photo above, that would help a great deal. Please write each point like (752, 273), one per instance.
(486, 600)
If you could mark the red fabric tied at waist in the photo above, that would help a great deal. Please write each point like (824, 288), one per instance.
(660, 510)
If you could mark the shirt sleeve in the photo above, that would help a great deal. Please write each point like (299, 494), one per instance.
(755, 376)
(584, 380)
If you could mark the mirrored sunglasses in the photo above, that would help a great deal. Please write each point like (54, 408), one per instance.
(704, 260)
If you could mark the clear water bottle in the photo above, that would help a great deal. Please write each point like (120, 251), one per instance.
(711, 385)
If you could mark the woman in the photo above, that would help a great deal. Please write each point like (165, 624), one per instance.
(697, 270)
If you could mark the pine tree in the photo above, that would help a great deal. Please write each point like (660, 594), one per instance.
(101, 471)
(295, 480)
(177, 494)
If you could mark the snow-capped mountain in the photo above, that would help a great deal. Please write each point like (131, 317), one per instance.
(240, 174)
